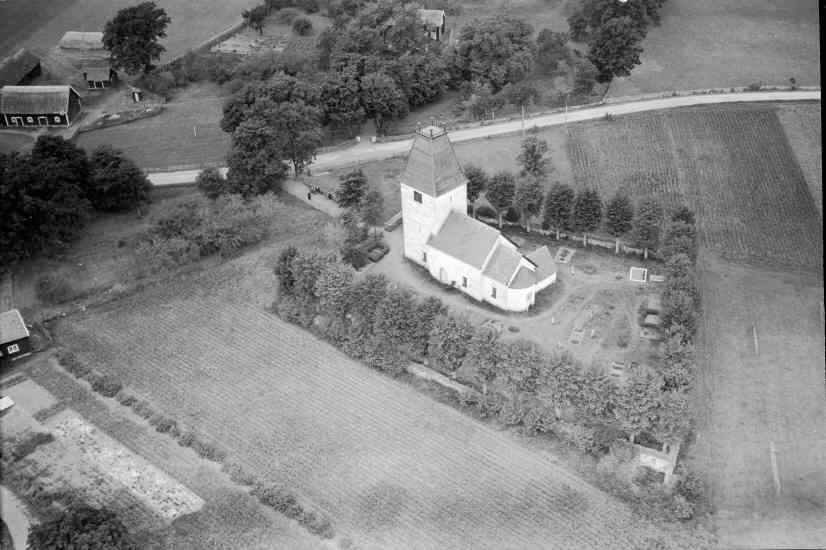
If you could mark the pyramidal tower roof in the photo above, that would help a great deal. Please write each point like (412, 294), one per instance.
(432, 166)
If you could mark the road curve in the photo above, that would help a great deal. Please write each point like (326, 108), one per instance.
(368, 152)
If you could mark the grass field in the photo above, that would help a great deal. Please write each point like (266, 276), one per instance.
(40, 24)
(753, 398)
(391, 467)
(803, 129)
(724, 43)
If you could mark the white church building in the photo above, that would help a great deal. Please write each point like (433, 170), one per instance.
(457, 249)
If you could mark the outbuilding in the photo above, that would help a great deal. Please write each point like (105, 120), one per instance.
(433, 22)
(19, 69)
(30, 106)
(84, 41)
(98, 75)
(14, 336)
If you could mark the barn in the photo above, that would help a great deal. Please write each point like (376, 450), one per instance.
(84, 41)
(30, 106)
(14, 337)
(19, 69)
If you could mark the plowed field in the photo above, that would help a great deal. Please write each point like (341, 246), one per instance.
(392, 468)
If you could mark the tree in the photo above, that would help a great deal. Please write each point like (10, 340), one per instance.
(638, 399)
(372, 208)
(496, 50)
(484, 355)
(72, 159)
(382, 100)
(331, 289)
(480, 102)
(302, 26)
(647, 225)
(614, 48)
(587, 211)
(284, 269)
(585, 76)
(592, 14)
(677, 358)
(520, 365)
(520, 94)
(532, 156)
(683, 214)
(529, 198)
(477, 181)
(255, 159)
(424, 318)
(422, 77)
(341, 99)
(132, 37)
(256, 17)
(672, 417)
(394, 322)
(116, 183)
(558, 208)
(619, 215)
(679, 238)
(211, 183)
(501, 192)
(81, 527)
(448, 342)
(551, 50)
(352, 188)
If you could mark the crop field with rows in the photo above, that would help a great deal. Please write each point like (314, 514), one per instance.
(391, 467)
(733, 166)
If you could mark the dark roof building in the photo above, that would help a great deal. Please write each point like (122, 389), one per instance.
(38, 105)
(75, 40)
(98, 74)
(432, 166)
(19, 69)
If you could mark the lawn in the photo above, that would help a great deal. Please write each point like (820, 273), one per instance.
(755, 398)
(41, 23)
(392, 468)
(10, 142)
(724, 43)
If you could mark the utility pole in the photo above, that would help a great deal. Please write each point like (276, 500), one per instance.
(566, 114)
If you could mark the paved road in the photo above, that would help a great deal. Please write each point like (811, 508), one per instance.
(15, 516)
(367, 152)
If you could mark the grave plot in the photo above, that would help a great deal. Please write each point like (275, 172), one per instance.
(564, 255)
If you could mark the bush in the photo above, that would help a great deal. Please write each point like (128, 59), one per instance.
(126, 399)
(106, 385)
(538, 420)
(55, 288)
(287, 15)
(682, 508)
(161, 83)
(27, 446)
(317, 524)
(166, 425)
(187, 439)
(142, 409)
(512, 215)
(72, 364)
(489, 405)
(208, 450)
(486, 212)
(302, 26)
(512, 413)
(354, 256)
(582, 437)
(238, 473)
(278, 499)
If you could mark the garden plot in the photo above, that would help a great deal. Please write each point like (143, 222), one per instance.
(30, 396)
(164, 495)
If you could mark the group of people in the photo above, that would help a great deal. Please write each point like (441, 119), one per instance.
(317, 189)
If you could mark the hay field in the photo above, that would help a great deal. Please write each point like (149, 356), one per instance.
(733, 165)
(802, 125)
(392, 468)
(39, 24)
(752, 398)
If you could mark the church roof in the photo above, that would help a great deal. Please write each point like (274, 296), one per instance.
(503, 264)
(465, 238)
(544, 262)
(432, 166)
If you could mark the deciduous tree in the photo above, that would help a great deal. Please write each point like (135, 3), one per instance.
(619, 215)
(587, 213)
(533, 157)
(614, 48)
(382, 100)
(352, 188)
(448, 342)
(81, 527)
(255, 17)
(477, 181)
(679, 238)
(132, 37)
(551, 50)
(529, 198)
(501, 192)
(647, 225)
(638, 400)
(425, 316)
(484, 356)
(116, 182)
(211, 183)
(255, 158)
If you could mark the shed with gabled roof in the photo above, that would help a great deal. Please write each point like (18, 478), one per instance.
(19, 69)
(28, 106)
(85, 41)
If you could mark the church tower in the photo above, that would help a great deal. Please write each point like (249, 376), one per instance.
(432, 185)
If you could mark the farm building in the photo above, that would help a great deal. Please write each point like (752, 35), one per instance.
(19, 69)
(456, 249)
(653, 304)
(434, 23)
(652, 320)
(83, 41)
(98, 75)
(30, 106)
(14, 336)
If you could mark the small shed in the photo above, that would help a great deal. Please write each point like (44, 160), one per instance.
(84, 41)
(434, 23)
(98, 75)
(29, 106)
(14, 336)
(19, 69)
(653, 303)
(652, 320)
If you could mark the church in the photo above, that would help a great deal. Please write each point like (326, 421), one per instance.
(455, 248)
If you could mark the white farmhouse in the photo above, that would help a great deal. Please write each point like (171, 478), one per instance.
(455, 248)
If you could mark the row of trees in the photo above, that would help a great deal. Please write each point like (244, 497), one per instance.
(47, 195)
(387, 326)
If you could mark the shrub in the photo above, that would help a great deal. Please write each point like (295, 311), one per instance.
(582, 437)
(107, 385)
(682, 507)
(489, 405)
(302, 26)
(538, 420)
(317, 524)
(512, 215)
(27, 446)
(80, 526)
(72, 364)
(55, 288)
(486, 212)
(211, 183)
(287, 15)
(511, 413)
(208, 450)
(166, 425)
(125, 399)
(238, 473)
(278, 499)
(187, 439)
(354, 256)
(142, 409)
(158, 82)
